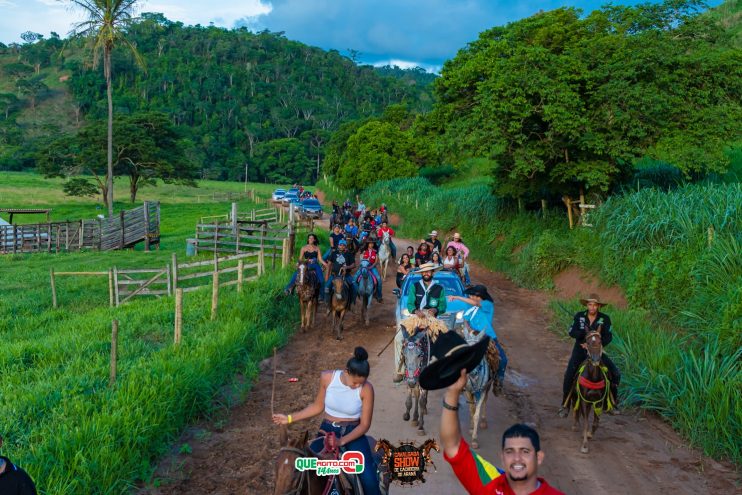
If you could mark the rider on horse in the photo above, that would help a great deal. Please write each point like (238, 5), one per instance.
(426, 295)
(479, 318)
(310, 253)
(370, 254)
(591, 320)
(386, 229)
(351, 228)
(340, 261)
(346, 401)
(335, 238)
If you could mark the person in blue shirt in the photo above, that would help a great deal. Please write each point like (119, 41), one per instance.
(351, 228)
(479, 317)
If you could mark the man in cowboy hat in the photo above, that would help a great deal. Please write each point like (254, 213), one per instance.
(590, 320)
(14, 480)
(521, 454)
(426, 296)
(433, 242)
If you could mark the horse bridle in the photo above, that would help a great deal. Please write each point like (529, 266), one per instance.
(424, 351)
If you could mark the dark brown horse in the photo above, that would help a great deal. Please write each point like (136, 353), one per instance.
(308, 289)
(340, 303)
(590, 392)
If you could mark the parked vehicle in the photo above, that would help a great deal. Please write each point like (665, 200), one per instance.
(310, 208)
(454, 315)
(278, 194)
(288, 198)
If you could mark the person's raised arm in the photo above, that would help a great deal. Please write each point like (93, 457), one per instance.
(367, 414)
(313, 409)
(450, 427)
(467, 300)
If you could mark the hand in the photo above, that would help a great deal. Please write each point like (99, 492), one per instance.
(451, 298)
(584, 346)
(419, 313)
(454, 390)
(280, 419)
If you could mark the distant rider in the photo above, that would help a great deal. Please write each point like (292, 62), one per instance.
(340, 263)
(386, 229)
(310, 253)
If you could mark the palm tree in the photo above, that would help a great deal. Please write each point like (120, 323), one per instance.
(106, 24)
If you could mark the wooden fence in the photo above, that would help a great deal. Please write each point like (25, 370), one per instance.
(125, 230)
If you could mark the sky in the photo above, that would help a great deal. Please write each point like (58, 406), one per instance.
(406, 33)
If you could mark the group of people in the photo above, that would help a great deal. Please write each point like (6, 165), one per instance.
(346, 397)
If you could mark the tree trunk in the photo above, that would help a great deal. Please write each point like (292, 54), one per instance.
(109, 177)
(133, 187)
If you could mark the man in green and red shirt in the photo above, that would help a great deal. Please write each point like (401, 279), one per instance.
(521, 455)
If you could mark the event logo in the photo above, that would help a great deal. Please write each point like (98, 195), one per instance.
(351, 462)
(406, 463)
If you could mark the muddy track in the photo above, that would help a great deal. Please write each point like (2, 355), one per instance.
(631, 454)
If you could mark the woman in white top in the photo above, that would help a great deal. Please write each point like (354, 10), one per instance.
(346, 398)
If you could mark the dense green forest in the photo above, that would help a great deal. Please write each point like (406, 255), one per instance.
(563, 102)
(230, 98)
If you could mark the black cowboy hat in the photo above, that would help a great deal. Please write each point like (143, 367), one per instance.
(452, 355)
(479, 291)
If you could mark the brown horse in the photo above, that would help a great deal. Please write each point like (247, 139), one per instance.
(340, 298)
(307, 288)
(590, 393)
(289, 480)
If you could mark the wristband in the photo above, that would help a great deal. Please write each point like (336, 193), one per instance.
(289, 419)
(449, 407)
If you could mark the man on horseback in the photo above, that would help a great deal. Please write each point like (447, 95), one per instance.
(591, 320)
(340, 263)
(385, 229)
(426, 296)
(369, 254)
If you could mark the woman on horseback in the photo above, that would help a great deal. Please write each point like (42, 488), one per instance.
(309, 253)
(403, 269)
(346, 398)
(369, 254)
(479, 317)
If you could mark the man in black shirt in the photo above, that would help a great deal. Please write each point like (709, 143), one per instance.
(14, 480)
(589, 321)
(340, 260)
(433, 242)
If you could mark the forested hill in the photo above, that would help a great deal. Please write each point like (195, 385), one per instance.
(234, 97)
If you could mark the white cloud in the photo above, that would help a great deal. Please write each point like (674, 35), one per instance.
(406, 64)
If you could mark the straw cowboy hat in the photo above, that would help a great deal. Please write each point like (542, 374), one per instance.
(452, 355)
(456, 236)
(428, 267)
(592, 298)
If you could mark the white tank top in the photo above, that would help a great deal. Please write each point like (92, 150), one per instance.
(341, 401)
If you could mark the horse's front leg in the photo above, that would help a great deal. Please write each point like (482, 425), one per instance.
(416, 414)
(483, 411)
(586, 424)
(339, 334)
(423, 400)
(408, 404)
(475, 421)
(596, 421)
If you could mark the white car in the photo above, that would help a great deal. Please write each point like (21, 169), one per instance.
(278, 194)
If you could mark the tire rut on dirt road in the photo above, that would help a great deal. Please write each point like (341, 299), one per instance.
(630, 454)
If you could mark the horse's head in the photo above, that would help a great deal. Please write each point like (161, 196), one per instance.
(416, 357)
(338, 284)
(429, 445)
(386, 239)
(594, 345)
(363, 270)
(302, 272)
(288, 479)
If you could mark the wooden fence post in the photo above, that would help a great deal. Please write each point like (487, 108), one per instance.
(261, 263)
(54, 288)
(110, 288)
(178, 315)
(543, 207)
(175, 272)
(234, 218)
(240, 268)
(146, 226)
(116, 285)
(114, 351)
(123, 230)
(214, 295)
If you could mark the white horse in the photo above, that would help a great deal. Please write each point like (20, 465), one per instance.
(385, 254)
(478, 384)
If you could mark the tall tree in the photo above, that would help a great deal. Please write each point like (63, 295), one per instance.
(106, 26)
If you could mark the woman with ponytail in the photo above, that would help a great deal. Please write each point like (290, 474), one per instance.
(346, 400)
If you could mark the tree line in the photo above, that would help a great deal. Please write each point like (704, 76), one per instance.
(562, 102)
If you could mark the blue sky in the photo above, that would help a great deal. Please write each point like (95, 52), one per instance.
(401, 32)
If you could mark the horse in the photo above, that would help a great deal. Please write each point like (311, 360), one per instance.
(366, 289)
(416, 351)
(384, 254)
(337, 219)
(478, 383)
(340, 298)
(591, 389)
(307, 289)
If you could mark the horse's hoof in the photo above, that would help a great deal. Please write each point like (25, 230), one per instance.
(584, 449)
(413, 422)
(339, 337)
(474, 444)
(421, 432)
(574, 427)
(406, 417)
(589, 436)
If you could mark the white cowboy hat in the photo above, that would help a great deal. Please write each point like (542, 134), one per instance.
(435, 232)
(428, 267)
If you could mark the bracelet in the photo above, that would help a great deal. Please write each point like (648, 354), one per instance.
(289, 418)
(449, 407)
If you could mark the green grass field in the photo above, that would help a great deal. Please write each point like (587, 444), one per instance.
(59, 418)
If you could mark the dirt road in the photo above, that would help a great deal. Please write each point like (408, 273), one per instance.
(631, 454)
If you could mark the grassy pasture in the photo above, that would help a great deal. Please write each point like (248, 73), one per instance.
(59, 418)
